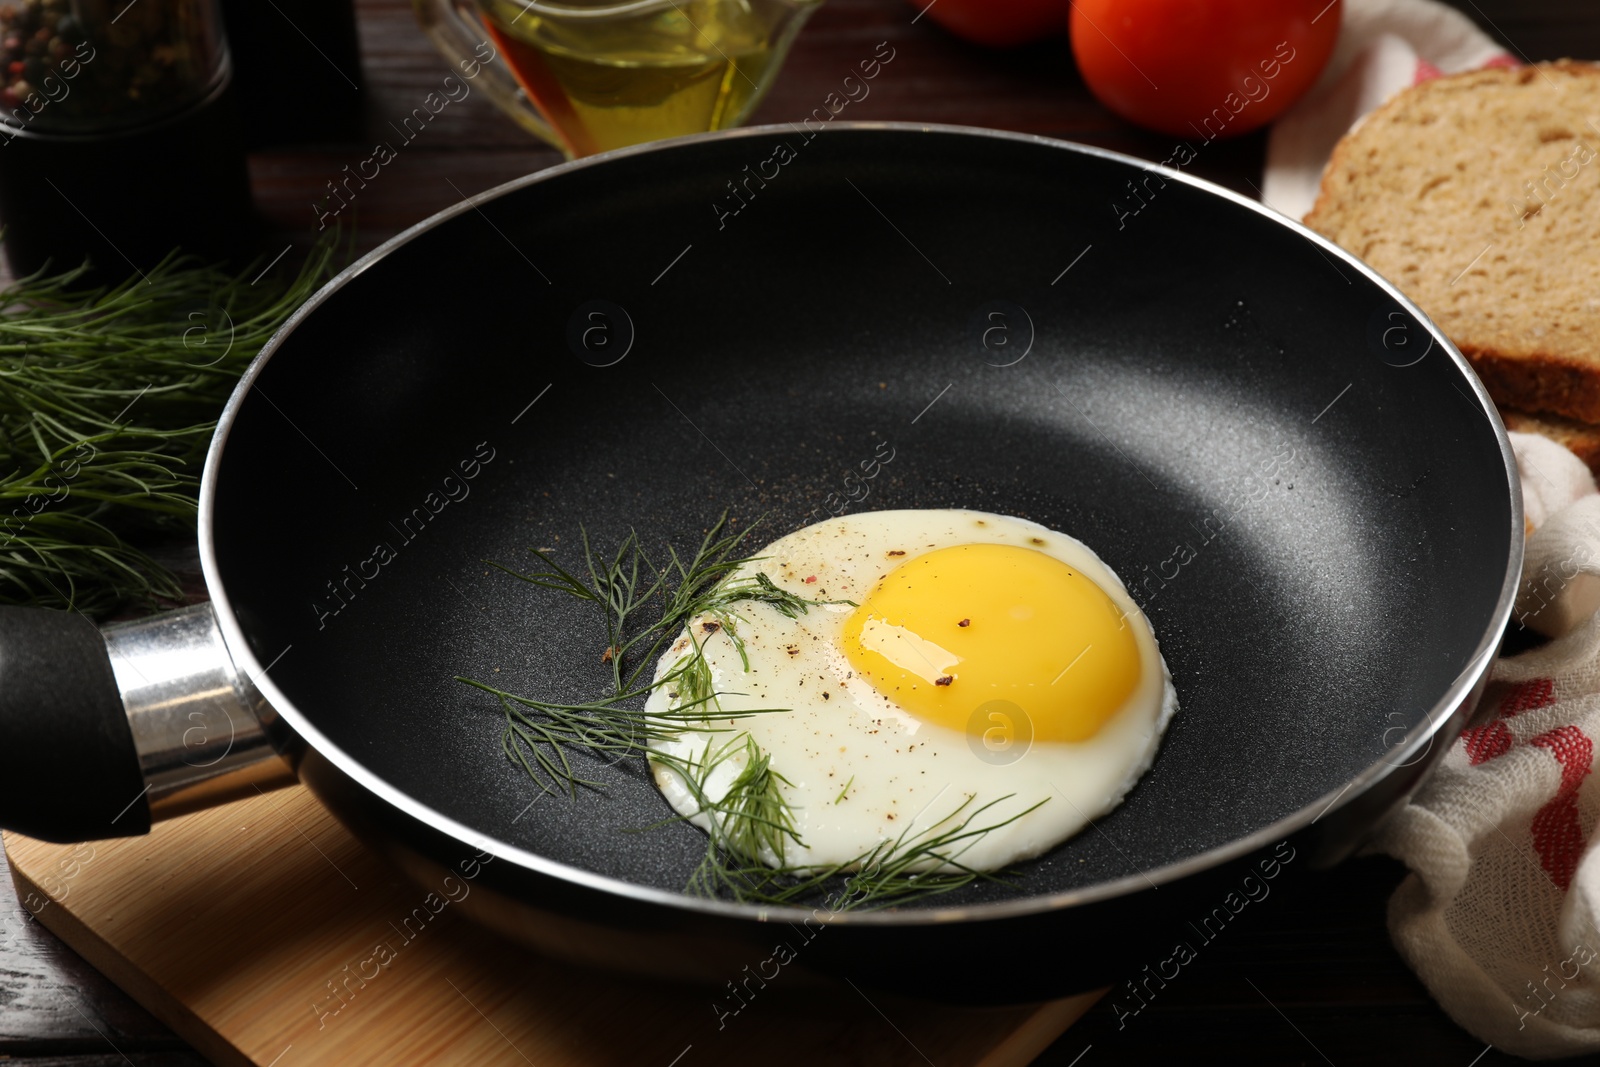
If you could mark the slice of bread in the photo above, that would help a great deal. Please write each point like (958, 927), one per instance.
(1581, 438)
(1478, 195)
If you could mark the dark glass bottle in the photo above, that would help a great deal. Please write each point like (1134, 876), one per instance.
(118, 136)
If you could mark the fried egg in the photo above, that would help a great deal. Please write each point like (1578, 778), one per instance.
(973, 672)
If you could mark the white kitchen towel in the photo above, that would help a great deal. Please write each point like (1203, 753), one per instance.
(1384, 46)
(1500, 916)
(1563, 519)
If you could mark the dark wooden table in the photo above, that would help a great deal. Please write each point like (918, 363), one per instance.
(1305, 977)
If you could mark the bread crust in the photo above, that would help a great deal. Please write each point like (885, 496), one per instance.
(1537, 381)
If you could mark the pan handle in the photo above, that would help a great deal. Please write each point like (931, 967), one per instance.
(103, 732)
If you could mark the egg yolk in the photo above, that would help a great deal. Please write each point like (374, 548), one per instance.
(946, 632)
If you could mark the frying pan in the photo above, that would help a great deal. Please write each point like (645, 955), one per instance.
(1299, 479)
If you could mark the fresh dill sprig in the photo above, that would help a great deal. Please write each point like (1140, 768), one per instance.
(749, 824)
(750, 820)
(908, 869)
(616, 586)
(718, 602)
(108, 400)
(692, 684)
(538, 733)
(620, 584)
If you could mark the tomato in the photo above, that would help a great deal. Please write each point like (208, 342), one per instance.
(997, 23)
(1207, 68)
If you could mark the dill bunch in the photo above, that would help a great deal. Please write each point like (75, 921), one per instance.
(108, 400)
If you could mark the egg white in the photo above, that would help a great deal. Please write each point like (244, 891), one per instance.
(906, 777)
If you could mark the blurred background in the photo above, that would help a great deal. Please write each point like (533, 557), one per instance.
(935, 77)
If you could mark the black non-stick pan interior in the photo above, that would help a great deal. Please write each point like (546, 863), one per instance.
(1301, 488)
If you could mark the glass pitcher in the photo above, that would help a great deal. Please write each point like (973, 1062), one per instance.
(592, 76)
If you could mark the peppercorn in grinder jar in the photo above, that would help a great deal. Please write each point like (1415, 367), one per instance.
(118, 137)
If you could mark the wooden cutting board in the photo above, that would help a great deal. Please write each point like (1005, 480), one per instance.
(235, 927)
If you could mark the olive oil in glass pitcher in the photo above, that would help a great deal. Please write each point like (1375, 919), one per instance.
(592, 77)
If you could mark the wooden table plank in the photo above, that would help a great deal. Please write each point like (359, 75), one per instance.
(51, 1001)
